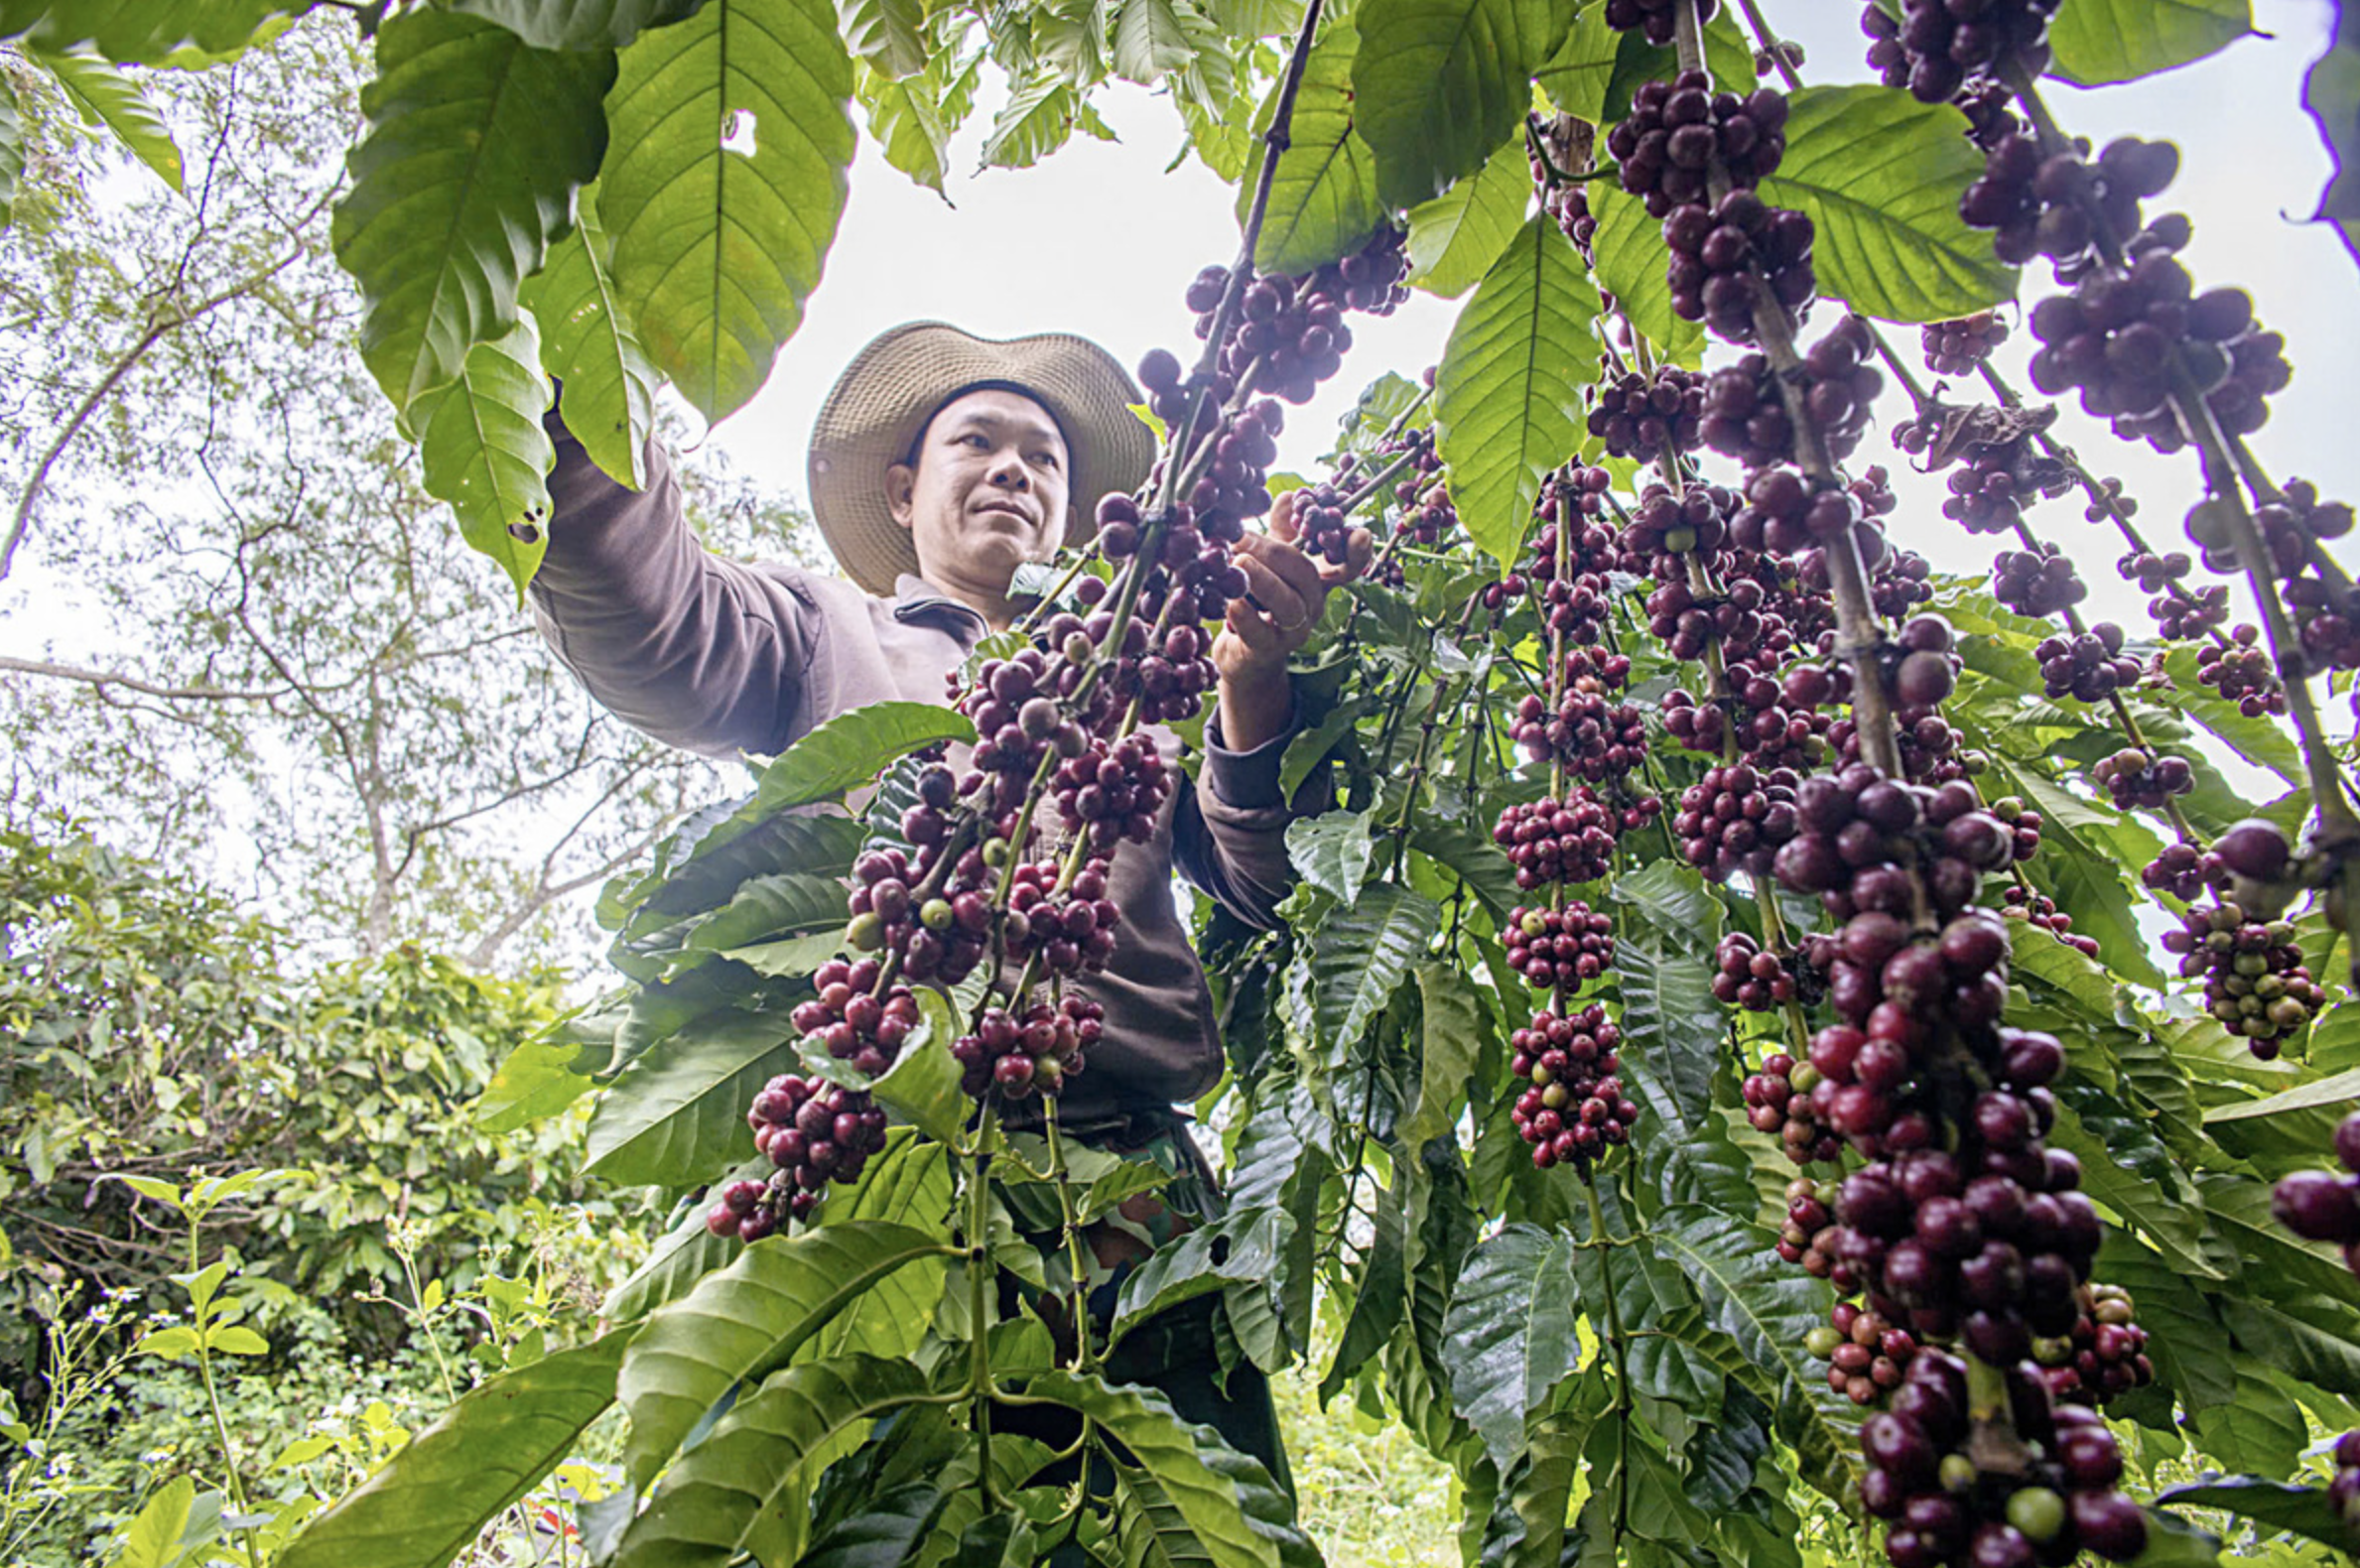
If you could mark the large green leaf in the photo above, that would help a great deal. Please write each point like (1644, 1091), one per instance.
(1035, 122)
(2125, 1166)
(12, 149)
(1153, 38)
(911, 119)
(1323, 194)
(148, 32)
(1360, 957)
(2240, 1210)
(1452, 1030)
(2271, 1504)
(2331, 96)
(851, 749)
(1631, 263)
(2304, 1336)
(678, 1113)
(723, 187)
(1881, 175)
(1380, 1294)
(1511, 1333)
(1671, 1024)
(751, 1318)
(2099, 42)
(769, 906)
(587, 343)
(578, 24)
(484, 451)
(1440, 83)
(1331, 851)
(1508, 399)
(1592, 73)
(680, 1257)
(2261, 1430)
(1240, 1248)
(1455, 238)
(922, 1084)
(479, 1456)
(475, 145)
(1209, 1504)
(106, 96)
(1766, 1308)
(717, 1502)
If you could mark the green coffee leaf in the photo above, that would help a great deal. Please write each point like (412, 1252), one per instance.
(485, 453)
(720, 238)
(478, 1456)
(678, 1113)
(1512, 1333)
(1323, 195)
(2331, 96)
(1438, 85)
(103, 95)
(188, 32)
(1879, 174)
(886, 36)
(466, 176)
(1455, 238)
(578, 24)
(1362, 955)
(1631, 263)
(2096, 43)
(587, 343)
(1507, 400)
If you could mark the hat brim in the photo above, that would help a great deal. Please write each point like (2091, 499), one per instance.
(881, 404)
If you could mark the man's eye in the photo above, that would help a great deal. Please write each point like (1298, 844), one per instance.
(979, 443)
(1047, 460)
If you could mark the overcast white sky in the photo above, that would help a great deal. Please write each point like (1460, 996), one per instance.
(1099, 240)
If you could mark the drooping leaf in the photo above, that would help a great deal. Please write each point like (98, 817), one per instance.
(479, 1456)
(1455, 238)
(1269, 1513)
(2096, 43)
(1507, 393)
(1671, 1023)
(718, 1500)
(485, 453)
(1361, 956)
(1527, 1527)
(1323, 195)
(1241, 1247)
(1331, 851)
(768, 906)
(848, 750)
(749, 1318)
(678, 1113)
(886, 36)
(885, 1534)
(1155, 38)
(2272, 1504)
(1035, 122)
(1632, 258)
(148, 32)
(1379, 1296)
(1453, 1027)
(905, 120)
(922, 1084)
(1511, 1335)
(2261, 1430)
(1209, 1504)
(684, 1254)
(587, 343)
(1881, 173)
(578, 24)
(2331, 96)
(106, 96)
(1439, 83)
(475, 145)
(723, 187)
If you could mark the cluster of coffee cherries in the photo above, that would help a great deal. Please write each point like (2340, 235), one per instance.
(814, 1133)
(1745, 411)
(1640, 416)
(2254, 981)
(1779, 1102)
(1322, 526)
(1664, 525)
(2088, 666)
(1066, 933)
(2104, 1357)
(1035, 1048)
(2053, 205)
(1955, 348)
(1934, 47)
(1292, 327)
(1722, 255)
(2184, 871)
(1990, 482)
(1735, 818)
(1574, 1109)
(2320, 1206)
(1654, 19)
(1584, 731)
(2039, 909)
(1678, 131)
(1866, 1355)
(1747, 975)
(2295, 527)
(943, 934)
(2039, 582)
(2343, 1493)
(1862, 842)
(1426, 514)
(1561, 949)
(2060, 1499)
(2136, 779)
(2242, 672)
(1572, 840)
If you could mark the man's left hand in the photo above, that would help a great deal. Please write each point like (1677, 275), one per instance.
(1289, 592)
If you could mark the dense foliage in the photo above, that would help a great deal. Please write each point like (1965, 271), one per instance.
(1716, 1069)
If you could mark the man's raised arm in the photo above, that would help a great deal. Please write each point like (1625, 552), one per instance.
(694, 650)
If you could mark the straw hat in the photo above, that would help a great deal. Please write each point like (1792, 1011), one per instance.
(882, 403)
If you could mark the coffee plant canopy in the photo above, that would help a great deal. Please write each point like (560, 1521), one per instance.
(1773, 1055)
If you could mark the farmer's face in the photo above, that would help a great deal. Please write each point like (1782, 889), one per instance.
(987, 494)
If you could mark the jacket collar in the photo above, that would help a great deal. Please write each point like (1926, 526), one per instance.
(916, 600)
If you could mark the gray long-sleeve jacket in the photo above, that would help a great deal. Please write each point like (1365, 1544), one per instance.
(721, 656)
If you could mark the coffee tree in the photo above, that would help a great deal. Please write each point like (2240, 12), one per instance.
(1774, 1055)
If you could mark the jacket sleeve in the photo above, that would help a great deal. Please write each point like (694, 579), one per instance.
(696, 650)
(1229, 834)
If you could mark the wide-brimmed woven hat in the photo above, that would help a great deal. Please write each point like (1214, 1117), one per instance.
(881, 402)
